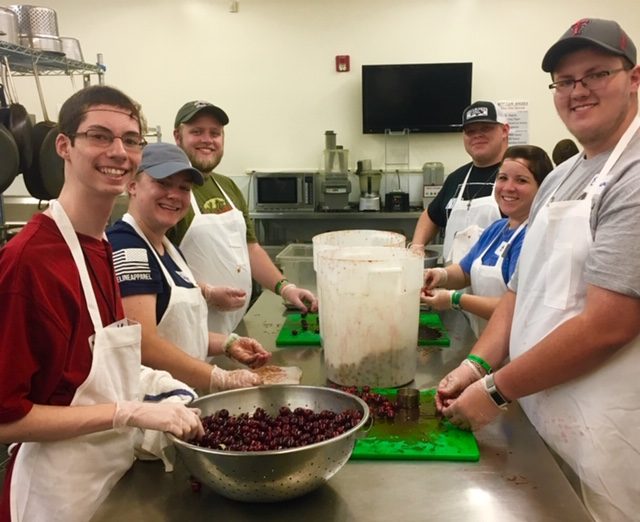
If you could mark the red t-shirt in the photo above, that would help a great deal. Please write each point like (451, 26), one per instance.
(45, 324)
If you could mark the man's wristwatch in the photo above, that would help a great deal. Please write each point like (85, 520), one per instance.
(496, 396)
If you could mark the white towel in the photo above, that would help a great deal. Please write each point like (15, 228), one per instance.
(159, 386)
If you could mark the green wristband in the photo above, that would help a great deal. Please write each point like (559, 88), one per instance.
(279, 285)
(481, 362)
(455, 300)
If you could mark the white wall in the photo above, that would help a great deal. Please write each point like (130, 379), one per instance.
(271, 64)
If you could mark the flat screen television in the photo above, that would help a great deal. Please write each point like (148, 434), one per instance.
(421, 97)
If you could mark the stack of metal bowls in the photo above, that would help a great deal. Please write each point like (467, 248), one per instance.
(272, 476)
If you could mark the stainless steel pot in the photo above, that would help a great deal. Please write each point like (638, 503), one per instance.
(50, 44)
(9, 26)
(71, 48)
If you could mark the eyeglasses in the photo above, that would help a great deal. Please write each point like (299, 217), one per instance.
(592, 81)
(104, 139)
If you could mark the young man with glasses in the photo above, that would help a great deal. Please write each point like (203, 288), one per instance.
(465, 202)
(570, 322)
(69, 361)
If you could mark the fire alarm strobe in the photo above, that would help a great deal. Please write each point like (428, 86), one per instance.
(342, 63)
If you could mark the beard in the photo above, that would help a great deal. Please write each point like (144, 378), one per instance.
(204, 165)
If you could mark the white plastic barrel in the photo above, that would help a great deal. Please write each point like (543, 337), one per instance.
(370, 303)
(347, 238)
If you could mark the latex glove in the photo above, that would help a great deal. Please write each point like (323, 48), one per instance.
(436, 299)
(248, 351)
(224, 298)
(230, 379)
(473, 409)
(170, 417)
(300, 298)
(435, 277)
(455, 382)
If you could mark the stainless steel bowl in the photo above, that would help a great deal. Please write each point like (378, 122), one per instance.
(271, 476)
(71, 48)
(9, 26)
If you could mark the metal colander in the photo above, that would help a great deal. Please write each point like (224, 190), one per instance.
(36, 21)
(271, 476)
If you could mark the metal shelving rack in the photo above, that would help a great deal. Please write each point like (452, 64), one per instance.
(24, 60)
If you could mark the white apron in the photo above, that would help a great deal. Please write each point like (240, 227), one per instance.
(215, 247)
(67, 480)
(586, 420)
(184, 322)
(487, 281)
(468, 219)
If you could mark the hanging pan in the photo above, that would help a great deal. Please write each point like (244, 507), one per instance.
(10, 160)
(51, 165)
(33, 175)
(19, 123)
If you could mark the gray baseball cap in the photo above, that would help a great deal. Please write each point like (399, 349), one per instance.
(190, 109)
(604, 34)
(161, 160)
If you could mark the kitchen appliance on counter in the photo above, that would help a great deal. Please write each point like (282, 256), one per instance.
(335, 192)
(336, 186)
(369, 186)
(432, 179)
(284, 191)
(396, 201)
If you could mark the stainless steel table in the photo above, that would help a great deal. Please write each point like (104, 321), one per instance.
(516, 478)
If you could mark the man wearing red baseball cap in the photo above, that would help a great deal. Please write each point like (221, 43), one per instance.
(570, 323)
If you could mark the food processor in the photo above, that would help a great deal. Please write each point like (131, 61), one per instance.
(369, 186)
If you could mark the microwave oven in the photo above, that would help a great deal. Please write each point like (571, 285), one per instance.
(277, 191)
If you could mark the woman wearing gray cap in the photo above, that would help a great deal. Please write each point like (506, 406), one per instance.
(157, 287)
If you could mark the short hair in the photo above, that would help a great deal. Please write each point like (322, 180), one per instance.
(74, 109)
(538, 160)
(563, 150)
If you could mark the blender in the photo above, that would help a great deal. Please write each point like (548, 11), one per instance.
(369, 186)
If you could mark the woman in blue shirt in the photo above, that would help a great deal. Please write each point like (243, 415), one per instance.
(491, 262)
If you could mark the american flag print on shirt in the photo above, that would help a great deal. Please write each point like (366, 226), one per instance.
(131, 264)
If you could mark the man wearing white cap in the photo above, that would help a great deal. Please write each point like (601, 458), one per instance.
(466, 204)
(570, 322)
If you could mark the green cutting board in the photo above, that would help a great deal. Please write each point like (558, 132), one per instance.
(292, 334)
(432, 320)
(409, 438)
(293, 323)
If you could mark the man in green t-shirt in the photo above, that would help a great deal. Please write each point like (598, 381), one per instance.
(217, 237)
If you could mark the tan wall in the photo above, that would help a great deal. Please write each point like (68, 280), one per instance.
(271, 65)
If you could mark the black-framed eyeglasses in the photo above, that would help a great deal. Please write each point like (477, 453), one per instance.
(104, 139)
(593, 81)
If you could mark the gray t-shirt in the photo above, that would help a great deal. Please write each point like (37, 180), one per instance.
(613, 261)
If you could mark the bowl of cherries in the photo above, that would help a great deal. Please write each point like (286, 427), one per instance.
(273, 443)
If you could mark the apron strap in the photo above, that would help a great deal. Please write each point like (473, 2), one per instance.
(71, 239)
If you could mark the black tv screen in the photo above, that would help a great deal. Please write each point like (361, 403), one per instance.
(423, 97)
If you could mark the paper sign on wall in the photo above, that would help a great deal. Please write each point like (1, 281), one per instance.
(517, 113)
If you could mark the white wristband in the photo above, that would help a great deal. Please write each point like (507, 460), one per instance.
(444, 275)
(288, 285)
(477, 369)
(233, 337)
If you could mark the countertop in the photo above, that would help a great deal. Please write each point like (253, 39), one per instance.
(516, 478)
(319, 215)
